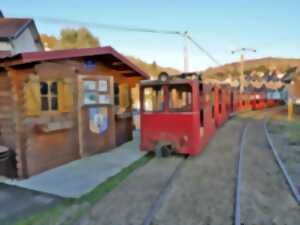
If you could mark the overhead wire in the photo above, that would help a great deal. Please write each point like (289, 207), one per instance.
(129, 29)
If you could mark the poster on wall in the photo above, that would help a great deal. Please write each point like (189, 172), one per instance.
(89, 85)
(103, 86)
(98, 119)
(90, 98)
(104, 99)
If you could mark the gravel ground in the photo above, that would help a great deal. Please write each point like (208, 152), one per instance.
(203, 194)
(129, 203)
(265, 197)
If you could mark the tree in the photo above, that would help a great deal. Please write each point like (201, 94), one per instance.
(71, 38)
(49, 41)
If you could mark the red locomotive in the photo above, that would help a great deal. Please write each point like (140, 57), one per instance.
(181, 114)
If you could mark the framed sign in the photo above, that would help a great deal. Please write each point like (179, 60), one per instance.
(103, 85)
(90, 85)
(90, 98)
(98, 119)
(89, 63)
(104, 99)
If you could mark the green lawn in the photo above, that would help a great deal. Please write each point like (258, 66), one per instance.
(289, 129)
(70, 210)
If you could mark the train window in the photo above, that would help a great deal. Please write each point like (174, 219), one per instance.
(201, 87)
(201, 122)
(180, 98)
(153, 99)
(212, 103)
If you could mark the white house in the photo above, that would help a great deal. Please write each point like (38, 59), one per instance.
(17, 36)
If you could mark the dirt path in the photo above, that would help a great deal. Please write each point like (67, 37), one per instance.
(129, 203)
(203, 194)
(265, 197)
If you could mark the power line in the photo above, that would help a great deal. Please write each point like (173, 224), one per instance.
(106, 26)
(129, 29)
(203, 50)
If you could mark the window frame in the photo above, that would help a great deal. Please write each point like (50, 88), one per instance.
(49, 97)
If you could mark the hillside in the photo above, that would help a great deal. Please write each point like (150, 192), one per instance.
(152, 69)
(263, 64)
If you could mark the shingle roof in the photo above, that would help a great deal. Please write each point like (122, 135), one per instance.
(11, 28)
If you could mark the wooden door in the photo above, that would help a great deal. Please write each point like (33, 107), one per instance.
(96, 123)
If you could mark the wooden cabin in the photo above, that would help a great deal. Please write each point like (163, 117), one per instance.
(59, 106)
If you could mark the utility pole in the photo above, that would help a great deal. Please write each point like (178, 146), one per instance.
(242, 77)
(185, 52)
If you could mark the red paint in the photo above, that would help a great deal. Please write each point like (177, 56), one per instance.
(190, 131)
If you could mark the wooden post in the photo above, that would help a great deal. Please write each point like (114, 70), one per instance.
(290, 109)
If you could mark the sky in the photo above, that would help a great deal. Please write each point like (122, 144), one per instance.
(269, 26)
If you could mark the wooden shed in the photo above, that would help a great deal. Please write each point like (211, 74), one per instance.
(59, 106)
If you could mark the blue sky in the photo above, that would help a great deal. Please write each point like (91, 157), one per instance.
(270, 26)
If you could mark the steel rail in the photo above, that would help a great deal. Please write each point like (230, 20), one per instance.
(156, 205)
(237, 204)
(281, 165)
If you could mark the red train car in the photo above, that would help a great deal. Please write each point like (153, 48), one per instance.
(170, 117)
(181, 115)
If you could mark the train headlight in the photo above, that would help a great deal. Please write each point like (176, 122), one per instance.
(163, 76)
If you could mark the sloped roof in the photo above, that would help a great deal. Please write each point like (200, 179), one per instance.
(4, 54)
(108, 55)
(12, 28)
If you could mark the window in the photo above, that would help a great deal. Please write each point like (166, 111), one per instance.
(180, 98)
(153, 99)
(212, 103)
(49, 95)
(220, 101)
(202, 122)
(117, 94)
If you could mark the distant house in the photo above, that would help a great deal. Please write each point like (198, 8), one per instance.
(18, 36)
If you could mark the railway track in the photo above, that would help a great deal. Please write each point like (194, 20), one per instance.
(230, 183)
(280, 163)
(241, 189)
(167, 203)
(262, 195)
(163, 193)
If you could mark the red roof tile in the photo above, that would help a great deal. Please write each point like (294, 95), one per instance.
(11, 28)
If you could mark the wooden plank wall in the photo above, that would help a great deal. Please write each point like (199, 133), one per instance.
(7, 125)
(36, 149)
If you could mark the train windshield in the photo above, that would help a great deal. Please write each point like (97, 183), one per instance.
(180, 98)
(153, 99)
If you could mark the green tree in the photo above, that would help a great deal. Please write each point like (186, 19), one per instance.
(49, 41)
(71, 38)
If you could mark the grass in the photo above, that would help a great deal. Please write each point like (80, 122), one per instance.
(54, 214)
(289, 129)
